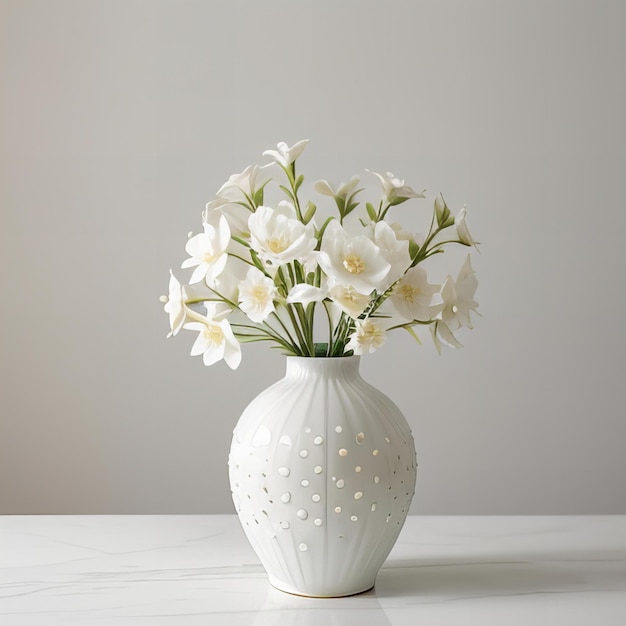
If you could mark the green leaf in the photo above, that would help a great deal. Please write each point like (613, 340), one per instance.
(309, 213)
(350, 208)
(413, 249)
(341, 206)
(299, 182)
(320, 232)
(409, 329)
(257, 261)
(287, 191)
(258, 196)
(398, 201)
(371, 211)
(252, 338)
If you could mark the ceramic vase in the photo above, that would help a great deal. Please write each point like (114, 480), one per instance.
(322, 470)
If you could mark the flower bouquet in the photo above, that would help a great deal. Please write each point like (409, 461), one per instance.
(315, 288)
(322, 465)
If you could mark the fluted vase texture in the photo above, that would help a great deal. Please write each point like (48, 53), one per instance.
(322, 471)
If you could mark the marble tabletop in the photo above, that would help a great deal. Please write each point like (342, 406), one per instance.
(199, 569)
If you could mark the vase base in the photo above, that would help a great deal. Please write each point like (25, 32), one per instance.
(285, 588)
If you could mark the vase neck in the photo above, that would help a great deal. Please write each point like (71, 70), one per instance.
(306, 367)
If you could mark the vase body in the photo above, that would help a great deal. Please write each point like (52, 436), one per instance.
(322, 470)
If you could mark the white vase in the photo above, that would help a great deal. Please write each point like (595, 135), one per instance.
(322, 471)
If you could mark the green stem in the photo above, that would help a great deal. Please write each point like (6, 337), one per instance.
(330, 328)
(284, 327)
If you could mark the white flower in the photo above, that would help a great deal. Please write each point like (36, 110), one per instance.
(462, 229)
(285, 155)
(352, 261)
(305, 294)
(368, 337)
(175, 303)
(215, 339)
(412, 296)
(342, 192)
(395, 189)
(256, 295)
(235, 214)
(404, 235)
(458, 297)
(208, 252)
(396, 252)
(240, 185)
(443, 335)
(349, 300)
(278, 236)
(227, 283)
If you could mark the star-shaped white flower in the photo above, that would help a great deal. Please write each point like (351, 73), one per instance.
(349, 300)
(175, 303)
(207, 252)
(215, 340)
(352, 261)
(342, 192)
(368, 336)
(284, 155)
(278, 236)
(256, 295)
(458, 297)
(412, 296)
(395, 251)
(394, 188)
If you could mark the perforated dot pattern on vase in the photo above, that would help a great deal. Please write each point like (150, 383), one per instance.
(324, 478)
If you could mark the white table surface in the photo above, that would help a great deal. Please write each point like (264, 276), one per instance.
(199, 569)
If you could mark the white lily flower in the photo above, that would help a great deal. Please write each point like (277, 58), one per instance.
(215, 340)
(349, 300)
(278, 236)
(394, 188)
(342, 192)
(462, 229)
(256, 295)
(208, 252)
(412, 296)
(396, 252)
(235, 214)
(305, 294)
(458, 297)
(285, 155)
(240, 185)
(368, 337)
(352, 261)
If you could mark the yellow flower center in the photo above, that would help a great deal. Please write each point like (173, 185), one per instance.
(259, 294)
(208, 257)
(277, 245)
(370, 333)
(349, 296)
(354, 264)
(409, 293)
(214, 334)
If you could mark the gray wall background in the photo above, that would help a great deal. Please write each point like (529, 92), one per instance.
(121, 119)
